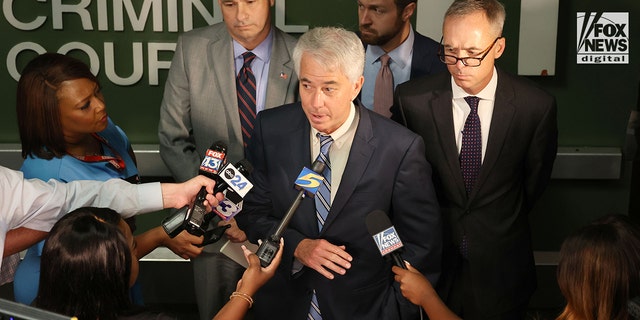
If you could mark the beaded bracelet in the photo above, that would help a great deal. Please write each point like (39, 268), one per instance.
(243, 296)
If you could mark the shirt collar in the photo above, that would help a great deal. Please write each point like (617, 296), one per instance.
(262, 51)
(488, 93)
(399, 55)
(341, 131)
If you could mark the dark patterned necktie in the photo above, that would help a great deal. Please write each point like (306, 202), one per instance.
(246, 89)
(323, 205)
(383, 90)
(471, 151)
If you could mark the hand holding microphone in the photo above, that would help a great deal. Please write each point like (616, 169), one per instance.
(230, 180)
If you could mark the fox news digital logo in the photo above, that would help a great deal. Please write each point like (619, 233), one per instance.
(603, 38)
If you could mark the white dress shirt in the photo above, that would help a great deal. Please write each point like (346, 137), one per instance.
(37, 205)
(485, 110)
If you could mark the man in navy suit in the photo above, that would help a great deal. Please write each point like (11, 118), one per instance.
(375, 165)
(488, 269)
(385, 28)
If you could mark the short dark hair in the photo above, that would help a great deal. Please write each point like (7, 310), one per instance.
(401, 4)
(37, 102)
(85, 266)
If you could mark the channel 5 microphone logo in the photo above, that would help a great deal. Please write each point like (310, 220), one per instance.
(309, 180)
(602, 37)
(387, 241)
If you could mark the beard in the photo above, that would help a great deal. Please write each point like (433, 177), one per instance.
(375, 38)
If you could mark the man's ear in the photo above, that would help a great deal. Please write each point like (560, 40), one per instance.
(408, 11)
(499, 47)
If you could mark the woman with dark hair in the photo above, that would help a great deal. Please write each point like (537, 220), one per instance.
(598, 273)
(67, 135)
(89, 261)
(599, 270)
(88, 264)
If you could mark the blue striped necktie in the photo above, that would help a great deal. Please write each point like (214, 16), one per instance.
(323, 205)
(246, 90)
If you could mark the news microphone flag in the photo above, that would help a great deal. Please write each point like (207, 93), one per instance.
(213, 161)
(309, 180)
(387, 241)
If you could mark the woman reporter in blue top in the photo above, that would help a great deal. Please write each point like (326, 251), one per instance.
(67, 135)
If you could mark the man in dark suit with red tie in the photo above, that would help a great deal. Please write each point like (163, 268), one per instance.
(331, 266)
(385, 29)
(491, 138)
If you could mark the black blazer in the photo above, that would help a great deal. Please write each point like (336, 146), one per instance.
(386, 170)
(516, 169)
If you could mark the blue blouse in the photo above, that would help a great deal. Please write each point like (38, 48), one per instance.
(69, 168)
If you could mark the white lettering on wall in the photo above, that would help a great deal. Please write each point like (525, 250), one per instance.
(7, 10)
(57, 9)
(110, 64)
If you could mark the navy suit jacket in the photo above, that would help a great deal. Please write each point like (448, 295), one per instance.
(386, 170)
(516, 169)
(425, 59)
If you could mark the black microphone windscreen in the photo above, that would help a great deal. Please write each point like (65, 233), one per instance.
(245, 165)
(377, 221)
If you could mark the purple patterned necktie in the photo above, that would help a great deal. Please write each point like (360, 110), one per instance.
(246, 90)
(471, 151)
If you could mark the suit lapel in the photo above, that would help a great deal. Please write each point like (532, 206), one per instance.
(443, 118)
(503, 112)
(280, 72)
(299, 157)
(362, 149)
(221, 50)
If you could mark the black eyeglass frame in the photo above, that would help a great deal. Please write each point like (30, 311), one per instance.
(465, 60)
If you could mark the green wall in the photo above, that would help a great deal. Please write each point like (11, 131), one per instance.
(594, 100)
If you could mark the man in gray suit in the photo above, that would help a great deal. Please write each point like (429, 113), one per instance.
(200, 106)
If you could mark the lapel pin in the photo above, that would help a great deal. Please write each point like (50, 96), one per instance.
(283, 75)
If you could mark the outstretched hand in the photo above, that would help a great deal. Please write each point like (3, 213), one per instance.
(256, 276)
(177, 195)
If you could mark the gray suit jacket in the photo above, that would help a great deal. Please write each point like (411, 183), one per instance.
(200, 106)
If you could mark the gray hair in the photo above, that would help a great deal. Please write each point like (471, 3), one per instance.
(493, 9)
(333, 47)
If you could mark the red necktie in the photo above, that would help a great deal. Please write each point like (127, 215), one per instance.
(383, 91)
(246, 89)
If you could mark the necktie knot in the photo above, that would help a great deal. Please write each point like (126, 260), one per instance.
(248, 57)
(325, 144)
(385, 60)
(473, 102)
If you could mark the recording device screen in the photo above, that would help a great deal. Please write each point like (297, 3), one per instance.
(10, 310)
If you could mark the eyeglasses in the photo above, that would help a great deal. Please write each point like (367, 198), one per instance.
(467, 61)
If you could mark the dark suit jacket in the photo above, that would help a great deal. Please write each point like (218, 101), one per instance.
(516, 168)
(386, 170)
(425, 59)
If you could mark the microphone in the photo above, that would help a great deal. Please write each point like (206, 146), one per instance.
(385, 236)
(307, 182)
(214, 159)
(235, 185)
(193, 218)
